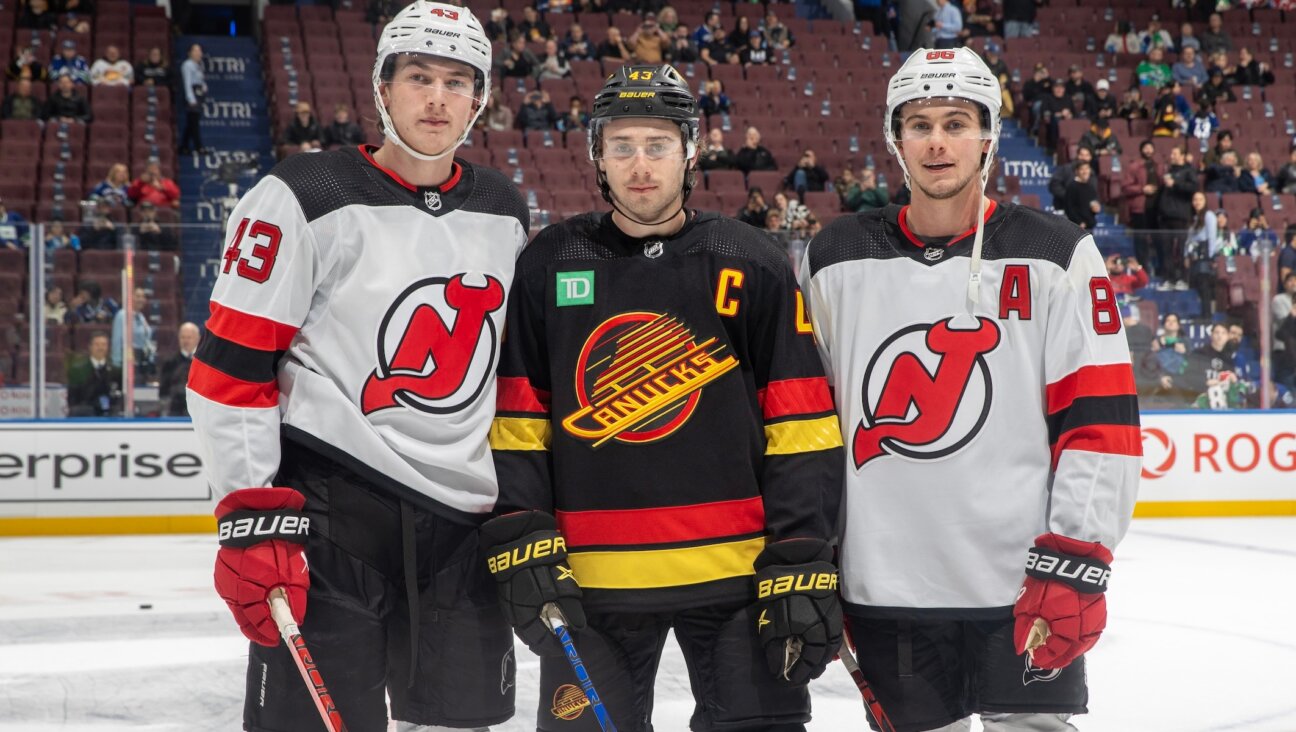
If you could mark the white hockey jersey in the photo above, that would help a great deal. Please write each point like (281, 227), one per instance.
(970, 432)
(361, 316)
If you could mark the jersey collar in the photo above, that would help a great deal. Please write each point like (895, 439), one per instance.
(902, 219)
(456, 173)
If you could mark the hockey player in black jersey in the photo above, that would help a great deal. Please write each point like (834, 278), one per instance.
(666, 446)
(343, 401)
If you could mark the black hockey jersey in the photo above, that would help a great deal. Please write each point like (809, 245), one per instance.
(664, 399)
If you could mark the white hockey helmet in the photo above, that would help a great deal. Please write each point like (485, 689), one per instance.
(957, 73)
(434, 29)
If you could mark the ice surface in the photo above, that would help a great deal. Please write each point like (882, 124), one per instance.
(1201, 638)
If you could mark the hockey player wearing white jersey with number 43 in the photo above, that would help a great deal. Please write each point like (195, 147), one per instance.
(344, 396)
(990, 420)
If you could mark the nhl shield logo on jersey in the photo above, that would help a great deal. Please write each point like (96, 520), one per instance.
(640, 376)
(926, 392)
(436, 346)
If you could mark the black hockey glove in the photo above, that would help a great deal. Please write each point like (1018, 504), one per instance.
(799, 619)
(528, 558)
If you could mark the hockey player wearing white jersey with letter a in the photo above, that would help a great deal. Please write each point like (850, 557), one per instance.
(344, 397)
(989, 413)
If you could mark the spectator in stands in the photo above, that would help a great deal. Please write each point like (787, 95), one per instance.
(798, 219)
(13, 229)
(1283, 305)
(714, 100)
(499, 115)
(1152, 71)
(1172, 93)
(1166, 122)
(553, 64)
(112, 69)
(155, 188)
(57, 238)
(67, 103)
(25, 65)
(1080, 202)
(777, 35)
(21, 104)
(1174, 209)
(1132, 107)
(1101, 138)
(1285, 181)
(754, 156)
(1255, 177)
(1140, 183)
(576, 118)
(668, 19)
(1284, 340)
(755, 211)
(1053, 108)
(93, 384)
(342, 132)
(1126, 274)
(755, 52)
(1065, 173)
(174, 372)
(1250, 72)
(614, 48)
(54, 310)
(863, 193)
(153, 70)
(719, 50)
(1155, 37)
(533, 27)
(1171, 336)
(682, 49)
(807, 176)
(152, 237)
(705, 33)
(714, 155)
(1187, 39)
(1019, 18)
(537, 113)
(99, 232)
(143, 342)
(577, 45)
(93, 308)
(1224, 176)
(1078, 88)
(70, 63)
(303, 133)
(195, 92)
(72, 23)
(1287, 255)
(516, 60)
(1102, 105)
(742, 26)
(1256, 233)
(947, 24)
(1189, 69)
(774, 221)
(1204, 122)
(500, 26)
(1123, 39)
(115, 187)
(37, 15)
(1223, 144)
(649, 43)
(1200, 249)
(1214, 38)
(1217, 89)
(1039, 87)
(1138, 336)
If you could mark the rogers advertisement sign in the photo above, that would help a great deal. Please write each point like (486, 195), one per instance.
(1219, 457)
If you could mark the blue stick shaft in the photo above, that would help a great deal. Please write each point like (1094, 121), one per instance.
(587, 684)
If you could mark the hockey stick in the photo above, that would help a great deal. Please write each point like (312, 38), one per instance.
(282, 615)
(553, 617)
(871, 704)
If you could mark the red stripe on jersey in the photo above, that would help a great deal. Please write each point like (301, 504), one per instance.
(456, 172)
(515, 394)
(1113, 439)
(638, 526)
(795, 396)
(249, 331)
(1115, 379)
(903, 218)
(222, 388)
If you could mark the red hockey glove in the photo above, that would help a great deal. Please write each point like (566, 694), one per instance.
(262, 546)
(1065, 582)
(799, 619)
(528, 558)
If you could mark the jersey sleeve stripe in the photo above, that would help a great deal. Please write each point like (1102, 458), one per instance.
(1085, 411)
(1103, 380)
(802, 435)
(629, 570)
(670, 524)
(515, 394)
(520, 433)
(248, 330)
(220, 387)
(1113, 439)
(788, 397)
(240, 362)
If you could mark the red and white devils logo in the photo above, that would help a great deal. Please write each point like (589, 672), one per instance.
(926, 392)
(639, 378)
(436, 346)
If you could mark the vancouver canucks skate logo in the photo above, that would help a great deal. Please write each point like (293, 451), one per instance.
(436, 346)
(639, 377)
(926, 392)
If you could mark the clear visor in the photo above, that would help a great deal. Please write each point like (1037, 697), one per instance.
(434, 76)
(661, 149)
(950, 117)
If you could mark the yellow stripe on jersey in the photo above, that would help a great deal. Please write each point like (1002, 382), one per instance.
(520, 433)
(802, 435)
(652, 568)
